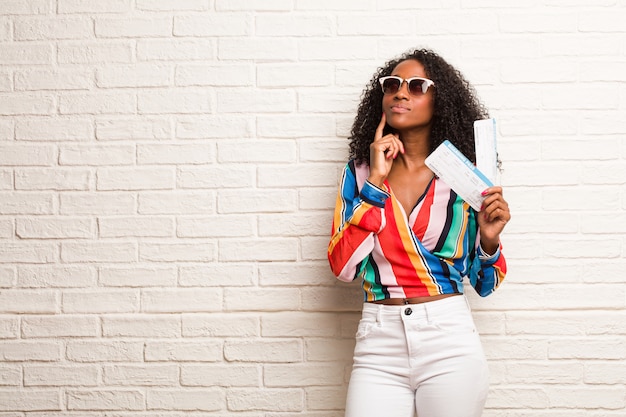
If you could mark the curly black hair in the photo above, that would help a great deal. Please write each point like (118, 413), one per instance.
(455, 110)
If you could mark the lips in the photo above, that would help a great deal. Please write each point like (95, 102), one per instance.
(400, 109)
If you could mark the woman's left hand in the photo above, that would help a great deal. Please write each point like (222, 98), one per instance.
(492, 218)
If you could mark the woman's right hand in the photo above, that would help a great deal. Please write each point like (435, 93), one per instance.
(383, 150)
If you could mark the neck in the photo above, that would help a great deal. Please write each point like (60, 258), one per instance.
(416, 148)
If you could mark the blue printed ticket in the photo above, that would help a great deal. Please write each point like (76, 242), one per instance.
(449, 164)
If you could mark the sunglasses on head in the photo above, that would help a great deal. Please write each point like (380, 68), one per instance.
(417, 85)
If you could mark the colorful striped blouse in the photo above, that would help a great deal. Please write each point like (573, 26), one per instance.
(427, 253)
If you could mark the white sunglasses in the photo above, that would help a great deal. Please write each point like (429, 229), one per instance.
(417, 85)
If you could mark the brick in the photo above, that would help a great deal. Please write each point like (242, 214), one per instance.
(247, 201)
(177, 202)
(266, 351)
(213, 275)
(253, 5)
(329, 349)
(264, 400)
(192, 300)
(26, 103)
(52, 179)
(154, 276)
(79, 6)
(9, 327)
(309, 224)
(222, 176)
(587, 398)
(37, 253)
(302, 375)
(97, 204)
(95, 53)
(133, 129)
(296, 274)
(53, 79)
(30, 351)
(256, 151)
(218, 127)
(331, 299)
(110, 179)
(256, 101)
(125, 27)
(185, 399)
(140, 375)
(32, 7)
(544, 373)
(606, 372)
(97, 103)
(30, 400)
(187, 351)
(60, 326)
(294, 324)
(604, 348)
(7, 277)
(138, 75)
(10, 376)
(602, 21)
(292, 126)
(368, 25)
(6, 180)
(318, 198)
(274, 299)
(347, 48)
(217, 375)
(101, 301)
(27, 203)
(264, 49)
(296, 75)
(298, 25)
(178, 252)
(105, 400)
(26, 54)
(51, 276)
(185, 154)
(25, 301)
(213, 25)
(215, 226)
(323, 151)
(176, 49)
(96, 155)
(55, 376)
(34, 29)
(92, 351)
(45, 129)
(136, 227)
(225, 75)
(221, 325)
(538, 22)
(172, 5)
(141, 326)
(175, 101)
(518, 397)
(283, 249)
(99, 251)
(6, 230)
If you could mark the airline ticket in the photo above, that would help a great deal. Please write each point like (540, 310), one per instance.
(486, 150)
(449, 164)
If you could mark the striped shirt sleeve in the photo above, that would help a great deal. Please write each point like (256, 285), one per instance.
(359, 214)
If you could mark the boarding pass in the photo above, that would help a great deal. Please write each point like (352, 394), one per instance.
(449, 164)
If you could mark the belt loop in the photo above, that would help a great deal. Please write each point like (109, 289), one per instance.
(379, 314)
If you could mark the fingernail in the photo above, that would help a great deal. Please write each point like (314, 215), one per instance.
(484, 192)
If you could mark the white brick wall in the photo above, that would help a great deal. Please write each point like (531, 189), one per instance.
(167, 177)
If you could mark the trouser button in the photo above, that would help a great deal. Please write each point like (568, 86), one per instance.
(408, 311)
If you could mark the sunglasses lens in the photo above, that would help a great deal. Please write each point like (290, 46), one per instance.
(416, 87)
(391, 85)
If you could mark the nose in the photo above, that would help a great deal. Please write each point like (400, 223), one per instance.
(403, 91)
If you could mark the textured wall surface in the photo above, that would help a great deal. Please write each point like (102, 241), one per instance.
(168, 170)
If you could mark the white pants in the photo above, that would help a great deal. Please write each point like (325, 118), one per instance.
(425, 358)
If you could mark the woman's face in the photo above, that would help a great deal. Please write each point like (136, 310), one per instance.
(404, 110)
